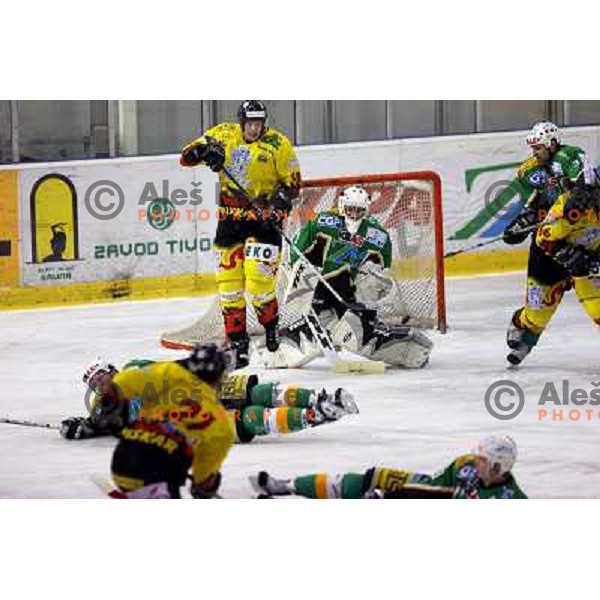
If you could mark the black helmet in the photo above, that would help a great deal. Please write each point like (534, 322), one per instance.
(208, 362)
(252, 110)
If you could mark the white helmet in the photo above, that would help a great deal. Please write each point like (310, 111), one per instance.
(96, 372)
(500, 451)
(543, 133)
(353, 204)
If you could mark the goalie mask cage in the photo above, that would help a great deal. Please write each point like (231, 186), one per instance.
(409, 206)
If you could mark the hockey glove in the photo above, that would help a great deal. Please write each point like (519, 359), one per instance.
(210, 153)
(76, 428)
(282, 199)
(214, 156)
(192, 155)
(578, 202)
(578, 261)
(207, 489)
(518, 230)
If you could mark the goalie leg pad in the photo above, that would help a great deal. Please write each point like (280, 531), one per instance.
(398, 346)
(297, 347)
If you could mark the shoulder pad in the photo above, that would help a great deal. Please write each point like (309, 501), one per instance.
(463, 460)
(373, 221)
(274, 138)
(528, 165)
(224, 131)
(331, 211)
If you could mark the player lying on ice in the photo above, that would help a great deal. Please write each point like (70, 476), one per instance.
(255, 408)
(354, 253)
(485, 473)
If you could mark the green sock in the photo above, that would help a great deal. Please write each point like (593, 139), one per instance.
(321, 485)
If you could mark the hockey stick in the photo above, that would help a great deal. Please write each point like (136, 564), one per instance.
(487, 242)
(321, 335)
(287, 238)
(26, 423)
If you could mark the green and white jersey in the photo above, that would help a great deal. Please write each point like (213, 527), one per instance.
(572, 162)
(328, 243)
(462, 473)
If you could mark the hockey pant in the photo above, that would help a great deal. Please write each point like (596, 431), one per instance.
(546, 284)
(139, 459)
(249, 267)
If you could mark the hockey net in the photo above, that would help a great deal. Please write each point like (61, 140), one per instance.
(409, 206)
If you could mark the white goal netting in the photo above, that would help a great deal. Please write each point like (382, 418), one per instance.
(408, 205)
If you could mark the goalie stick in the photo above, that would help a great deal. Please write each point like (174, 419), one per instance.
(339, 364)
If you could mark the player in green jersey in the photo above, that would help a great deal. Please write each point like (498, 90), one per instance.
(483, 474)
(255, 408)
(555, 174)
(345, 243)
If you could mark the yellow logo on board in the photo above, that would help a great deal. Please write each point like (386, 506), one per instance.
(54, 222)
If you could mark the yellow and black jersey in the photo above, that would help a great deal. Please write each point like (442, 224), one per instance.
(261, 166)
(168, 392)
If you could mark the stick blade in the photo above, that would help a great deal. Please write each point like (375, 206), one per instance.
(359, 366)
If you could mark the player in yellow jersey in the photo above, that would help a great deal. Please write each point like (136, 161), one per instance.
(555, 179)
(174, 423)
(574, 243)
(263, 161)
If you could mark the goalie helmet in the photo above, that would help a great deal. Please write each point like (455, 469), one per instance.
(353, 204)
(208, 362)
(500, 452)
(98, 372)
(543, 133)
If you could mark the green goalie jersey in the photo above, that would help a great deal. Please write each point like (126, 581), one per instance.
(327, 243)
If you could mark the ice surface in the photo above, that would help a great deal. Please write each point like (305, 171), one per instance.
(413, 419)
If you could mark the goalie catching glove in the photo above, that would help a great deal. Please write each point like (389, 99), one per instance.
(211, 153)
(282, 198)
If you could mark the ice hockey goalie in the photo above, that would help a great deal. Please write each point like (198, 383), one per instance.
(353, 253)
